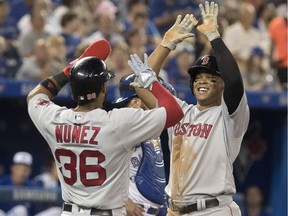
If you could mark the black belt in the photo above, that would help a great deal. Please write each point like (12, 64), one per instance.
(151, 210)
(193, 207)
(94, 211)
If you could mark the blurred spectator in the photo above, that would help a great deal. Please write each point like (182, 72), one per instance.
(20, 170)
(90, 6)
(241, 36)
(8, 25)
(63, 8)
(70, 23)
(117, 61)
(177, 67)
(108, 27)
(281, 8)
(56, 45)
(278, 31)
(138, 17)
(265, 13)
(27, 40)
(19, 176)
(46, 8)
(254, 202)
(10, 60)
(229, 10)
(39, 65)
(254, 74)
(137, 41)
(86, 26)
(164, 12)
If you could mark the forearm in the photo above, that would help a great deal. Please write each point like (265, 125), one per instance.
(230, 73)
(147, 97)
(157, 58)
(174, 112)
(180, 31)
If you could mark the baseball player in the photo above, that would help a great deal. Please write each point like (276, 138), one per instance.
(147, 171)
(92, 148)
(207, 140)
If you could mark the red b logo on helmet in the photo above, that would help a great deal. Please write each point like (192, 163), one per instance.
(205, 60)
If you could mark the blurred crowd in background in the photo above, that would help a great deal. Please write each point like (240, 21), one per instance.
(40, 37)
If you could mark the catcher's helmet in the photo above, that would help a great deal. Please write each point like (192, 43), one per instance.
(206, 62)
(87, 77)
(127, 92)
(168, 86)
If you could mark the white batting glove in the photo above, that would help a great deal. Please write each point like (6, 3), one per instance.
(144, 73)
(178, 32)
(208, 25)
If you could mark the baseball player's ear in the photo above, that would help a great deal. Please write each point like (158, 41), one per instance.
(136, 103)
(104, 88)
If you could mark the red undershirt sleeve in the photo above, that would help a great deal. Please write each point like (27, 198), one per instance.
(166, 99)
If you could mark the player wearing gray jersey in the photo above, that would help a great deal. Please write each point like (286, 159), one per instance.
(92, 147)
(206, 142)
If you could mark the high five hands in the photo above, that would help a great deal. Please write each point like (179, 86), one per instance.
(181, 29)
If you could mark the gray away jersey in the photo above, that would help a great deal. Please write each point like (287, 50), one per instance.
(93, 149)
(204, 147)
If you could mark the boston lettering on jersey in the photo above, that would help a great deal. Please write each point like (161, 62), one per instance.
(201, 130)
(76, 134)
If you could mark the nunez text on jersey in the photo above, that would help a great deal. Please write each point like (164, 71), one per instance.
(83, 134)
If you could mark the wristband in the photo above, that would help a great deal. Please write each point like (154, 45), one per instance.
(170, 45)
(212, 35)
(50, 86)
(55, 83)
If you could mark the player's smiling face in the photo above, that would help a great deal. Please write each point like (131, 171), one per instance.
(208, 88)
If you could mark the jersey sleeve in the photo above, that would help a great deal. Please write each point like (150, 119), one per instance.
(136, 125)
(41, 109)
(237, 122)
(236, 125)
(184, 105)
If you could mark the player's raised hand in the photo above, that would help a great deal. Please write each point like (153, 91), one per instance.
(178, 32)
(144, 73)
(100, 49)
(208, 23)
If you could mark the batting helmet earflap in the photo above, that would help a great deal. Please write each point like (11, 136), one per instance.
(207, 62)
(127, 91)
(87, 77)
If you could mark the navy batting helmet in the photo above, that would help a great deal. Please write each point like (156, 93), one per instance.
(206, 62)
(87, 77)
(127, 91)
